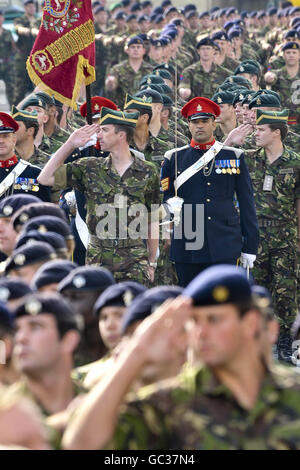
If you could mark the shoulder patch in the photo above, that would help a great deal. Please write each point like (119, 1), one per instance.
(169, 153)
(238, 152)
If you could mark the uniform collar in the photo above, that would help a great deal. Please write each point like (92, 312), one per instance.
(205, 146)
(136, 164)
(10, 162)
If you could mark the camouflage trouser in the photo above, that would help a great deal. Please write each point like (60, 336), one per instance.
(23, 84)
(298, 279)
(165, 274)
(127, 263)
(275, 269)
(7, 74)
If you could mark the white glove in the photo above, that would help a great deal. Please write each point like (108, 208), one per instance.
(247, 260)
(90, 143)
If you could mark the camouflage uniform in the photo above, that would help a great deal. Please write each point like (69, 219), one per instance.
(126, 258)
(275, 267)
(38, 158)
(288, 89)
(7, 64)
(195, 411)
(203, 83)
(230, 64)
(127, 80)
(25, 43)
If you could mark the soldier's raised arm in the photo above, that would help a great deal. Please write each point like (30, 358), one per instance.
(78, 139)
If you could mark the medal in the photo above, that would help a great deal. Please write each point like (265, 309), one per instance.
(218, 169)
(35, 188)
(238, 167)
(24, 187)
(233, 169)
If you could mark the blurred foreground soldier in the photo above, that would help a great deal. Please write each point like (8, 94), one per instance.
(81, 288)
(56, 241)
(117, 183)
(275, 172)
(24, 261)
(50, 274)
(232, 401)
(16, 176)
(109, 309)
(47, 334)
(8, 372)
(220, 172)
(11, 290)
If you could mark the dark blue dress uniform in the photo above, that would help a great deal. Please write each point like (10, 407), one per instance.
(226, 233)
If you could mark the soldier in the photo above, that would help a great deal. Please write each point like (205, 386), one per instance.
(203, 77)
(121, 177)
(47, 334)
(249, 69)
(12, 290)
(227, 119)
(124, 77)
(100, 20)
(204, 407)
(55, 240)
(275, 172)
(224, 58)
(224, 173)
(26, 134)
(27, 28)
(81, 288)
(8, 372)
(7, 63)
(16, 176)
(241, 50)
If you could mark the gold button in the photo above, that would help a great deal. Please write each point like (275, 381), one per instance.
(207, 200)
(206, 168)
(209, 218)
(208, 184)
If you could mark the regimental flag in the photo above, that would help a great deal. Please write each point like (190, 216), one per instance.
(63, 55)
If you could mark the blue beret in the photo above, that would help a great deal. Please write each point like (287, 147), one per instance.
(54, 239)
(131, 17)
(6, 317)
(221, 35)
(173, 33)
(177, 22)
(158, 19)
(52, 272)
(48, 223)
(260, 14)
(121, 295)
(48, 303)
(11, 204)
(165, 3)
(290, 45)
(191, 14)
(243, 14)
(231, 11)
(13, 288)
(252, 14)
(214, 9)
(146, 3)
(235, 33)
(34, 252)
(272, 11)
(99, 9)
(144, 37)
(228, 25)
(189, 7)
(121, 15)
(146, 303)
(135, 7)
(171, 9)
(142, 18)
(125, 3)
(203, 14)
(205, 42)
(295, 21)
(294, 10)
(87, 278)
(40, 209)
(218, 285)
(152, 17)
(292, 33)
(157, 11)
(262, 299)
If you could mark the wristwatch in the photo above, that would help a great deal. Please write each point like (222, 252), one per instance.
(153, 265)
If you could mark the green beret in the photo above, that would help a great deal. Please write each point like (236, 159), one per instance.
(153, 86)
(238, 80)
(110, 116)
(247, 68)
(25, 116)
(132, 102)
(151, 79)
(248, 98)
(168, 102)
(163, 73)
(165, 66)
(269, 117)
(34, 100)
(241, 95)
(49, 100)
(265, 100)
(223, 97)
(166, 89)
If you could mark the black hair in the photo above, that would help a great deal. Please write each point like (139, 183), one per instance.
(35, 125)
(129, 130)
(282, 126)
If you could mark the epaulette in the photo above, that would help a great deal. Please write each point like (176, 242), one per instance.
(169, 153)
(238, 152)
(138, 154)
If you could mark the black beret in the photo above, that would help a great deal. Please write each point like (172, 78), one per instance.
(87, 278)
(48, 303)
(167, 101)
(220, 35)
(262, 299)
(205, 42)
(34, 252)
(142, 18)
(130, 18)
(290, 45)
(13, 288)
(121, 295)
(191, 14)
(48, 223)
(135, 7)
(166, 3)
(33, 210)
(55, 240)
(292, 33)
(157, 11)
(121, 15)
(52, 272)
(11, 204)
(146, 303)
(146, 3)
(203, 14)
(158, 19)
(6, 317)
(272, 11)
(260, 14)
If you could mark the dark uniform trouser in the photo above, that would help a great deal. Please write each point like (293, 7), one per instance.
(276, 269)
(186, 272)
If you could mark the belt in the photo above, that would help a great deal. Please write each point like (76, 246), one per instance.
(269, 223)
(117, 242)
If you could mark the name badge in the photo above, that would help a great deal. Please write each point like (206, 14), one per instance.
(286, 171)
(268, 183)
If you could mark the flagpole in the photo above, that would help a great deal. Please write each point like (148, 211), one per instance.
(89, 115)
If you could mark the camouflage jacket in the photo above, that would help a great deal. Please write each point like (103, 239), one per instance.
(101, 184)
(6, 47)
(230, 64)
(38, 158)
(203, 83)
(59, 137)
(127, 80)
(289, 91)
(195, 411)
(279, 203)
(154, 150)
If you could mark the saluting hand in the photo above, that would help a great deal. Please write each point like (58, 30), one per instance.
(81, 136)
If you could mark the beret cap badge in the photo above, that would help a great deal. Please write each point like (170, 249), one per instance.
(220, 294)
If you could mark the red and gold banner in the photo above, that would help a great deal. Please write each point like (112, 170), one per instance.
(63, 55)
